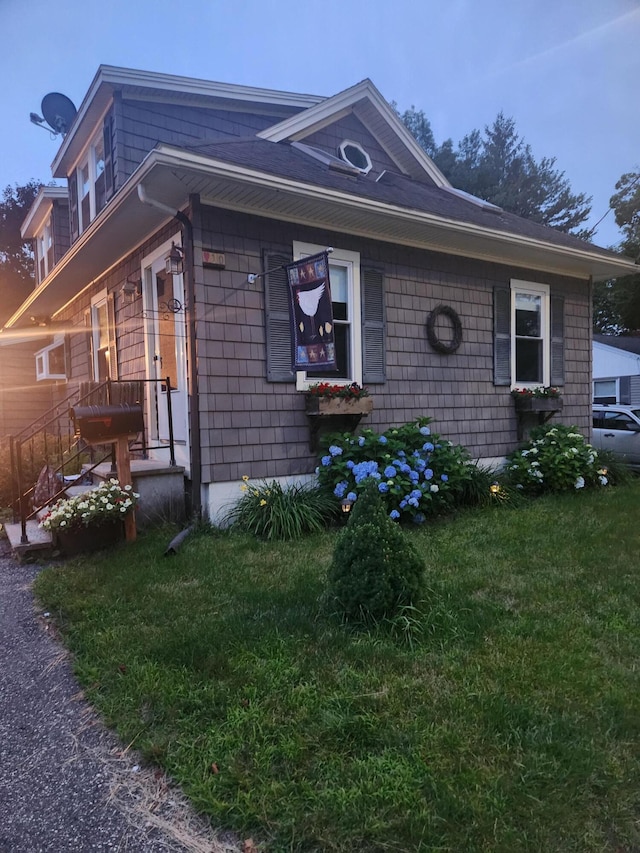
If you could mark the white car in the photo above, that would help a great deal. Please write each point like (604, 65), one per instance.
(617, 428)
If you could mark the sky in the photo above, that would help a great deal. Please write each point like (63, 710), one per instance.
(566, 71)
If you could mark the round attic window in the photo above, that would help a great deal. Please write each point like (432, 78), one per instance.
(355, 155)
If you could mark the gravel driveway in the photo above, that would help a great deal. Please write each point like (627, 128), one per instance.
(66, 784)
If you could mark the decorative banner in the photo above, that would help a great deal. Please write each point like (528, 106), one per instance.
(311, 314)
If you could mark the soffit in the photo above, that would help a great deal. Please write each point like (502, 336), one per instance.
(169, 176)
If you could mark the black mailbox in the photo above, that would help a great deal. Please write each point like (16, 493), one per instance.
(107, 423)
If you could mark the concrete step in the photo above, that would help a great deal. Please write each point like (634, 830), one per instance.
(38, 540)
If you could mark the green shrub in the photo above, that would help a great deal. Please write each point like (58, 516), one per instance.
(271, 511)
(375, 571)
(556, 458)
(417, 472)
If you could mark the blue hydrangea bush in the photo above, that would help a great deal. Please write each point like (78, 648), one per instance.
(556, 458)
(417, 472)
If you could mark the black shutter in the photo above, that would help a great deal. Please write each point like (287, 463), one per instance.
(557, 340)
(373, 327)
(278, 329)
(107, 139)
(73, 206)
(625, 390)
(501, 336)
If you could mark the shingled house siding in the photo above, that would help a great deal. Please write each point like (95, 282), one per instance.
(142, 125)
(60, 223)
(351, 128)
(22, 397)
(251, 426)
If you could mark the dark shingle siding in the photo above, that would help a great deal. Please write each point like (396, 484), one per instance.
(258, 428)
(329, 138)
(143, 124)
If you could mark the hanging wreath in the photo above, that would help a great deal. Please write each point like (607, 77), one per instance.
(432, 337)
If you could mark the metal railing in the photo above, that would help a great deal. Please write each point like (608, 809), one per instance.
(50, 441)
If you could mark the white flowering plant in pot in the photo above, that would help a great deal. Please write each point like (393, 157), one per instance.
(109, 503)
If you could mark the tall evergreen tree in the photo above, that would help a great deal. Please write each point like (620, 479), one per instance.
(499, 167)
(16, 255)
(616, 303)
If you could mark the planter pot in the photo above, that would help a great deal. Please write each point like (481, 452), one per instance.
(85, 540)
(538, 404)
(338, 406)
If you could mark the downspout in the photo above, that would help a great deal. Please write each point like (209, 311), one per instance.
(192, 380)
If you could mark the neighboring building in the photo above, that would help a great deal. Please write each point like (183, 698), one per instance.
(244, 180)
(616, 369)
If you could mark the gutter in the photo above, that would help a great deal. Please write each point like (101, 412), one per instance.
(192, 379)
(178, 158)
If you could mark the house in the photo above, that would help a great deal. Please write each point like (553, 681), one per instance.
(233, 182)
(616, 369)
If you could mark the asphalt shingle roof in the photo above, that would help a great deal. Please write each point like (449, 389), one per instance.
(285, 161)
(629, 343)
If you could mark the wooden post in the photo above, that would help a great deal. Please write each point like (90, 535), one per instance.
(123, 466)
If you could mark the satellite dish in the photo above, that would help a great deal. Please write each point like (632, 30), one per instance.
(58, 111)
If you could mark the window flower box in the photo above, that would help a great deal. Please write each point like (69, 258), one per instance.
(335, 408)
(538, 404)
(338, 406)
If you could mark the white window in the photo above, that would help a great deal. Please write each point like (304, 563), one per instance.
(91, 183)
(344, 275)
(354, 154)
(605, 390)
(530, 340)
(50, 362)
(100, 337)
(44, 244)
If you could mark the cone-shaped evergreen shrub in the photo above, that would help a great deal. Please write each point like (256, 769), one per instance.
(375, 568)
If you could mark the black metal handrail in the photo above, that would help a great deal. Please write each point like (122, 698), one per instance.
(49, 428)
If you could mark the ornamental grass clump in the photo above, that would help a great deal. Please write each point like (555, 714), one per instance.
(555, 459)
(107, 503)
(375, 571)
(270, 511)
(418, 474)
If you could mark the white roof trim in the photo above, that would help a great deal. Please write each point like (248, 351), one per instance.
(170, 168)
(317, 116)
(115, 78)
(166, 155)
(39, 210)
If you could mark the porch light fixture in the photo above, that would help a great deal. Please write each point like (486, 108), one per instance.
(174, 261)
(40, 320)
(132, 286)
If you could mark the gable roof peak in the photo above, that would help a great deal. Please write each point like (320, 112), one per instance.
(367, 103)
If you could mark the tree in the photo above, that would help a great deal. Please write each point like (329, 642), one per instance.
(626, 206)
(16, 255)
(499, 167)
(616, 303)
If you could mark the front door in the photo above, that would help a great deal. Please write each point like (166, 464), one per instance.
(165, 339)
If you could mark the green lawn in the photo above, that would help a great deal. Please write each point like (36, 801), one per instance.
(506, 719)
